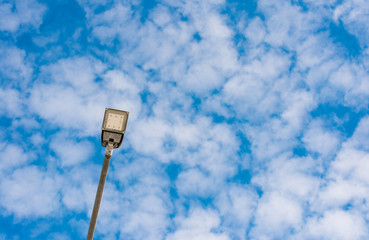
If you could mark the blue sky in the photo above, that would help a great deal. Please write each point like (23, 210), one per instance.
(248, 119)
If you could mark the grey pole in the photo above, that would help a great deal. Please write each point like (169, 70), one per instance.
(100, 189)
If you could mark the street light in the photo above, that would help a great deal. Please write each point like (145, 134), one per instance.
(113, 129)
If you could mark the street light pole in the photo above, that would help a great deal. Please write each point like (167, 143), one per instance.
(113, 130)
(100, 190)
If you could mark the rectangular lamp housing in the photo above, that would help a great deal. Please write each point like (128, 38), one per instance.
(114, 127)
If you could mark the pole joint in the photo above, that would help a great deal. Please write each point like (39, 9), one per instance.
(109, 149)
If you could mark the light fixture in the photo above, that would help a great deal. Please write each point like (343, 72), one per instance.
(112, 133)
(114, 127)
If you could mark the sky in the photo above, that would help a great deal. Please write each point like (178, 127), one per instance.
(248, 119)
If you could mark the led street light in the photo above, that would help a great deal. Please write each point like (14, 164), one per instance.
(114, 127)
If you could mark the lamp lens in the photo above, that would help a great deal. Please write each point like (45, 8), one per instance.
(115, 122)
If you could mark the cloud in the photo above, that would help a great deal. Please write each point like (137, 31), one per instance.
(11, 103)
(237, 206)
(165, 45)
(194, 182)
(254, 91)
(276, 215)
(352, 79)
(62, 106)
(145, 201)
(29, 193)
(69, 152)
(345, 188)
(200, 224)
(17, 13)
(294, 176)
(354, 17)
(338, 225)
(255, 31)
(59, 236)
(15, 70)
(197, 143)
(341, 192)
(351, 159)
(43, 41)
(281, 31)
(12, 156)
(71, 96)
(73, 99)
(320, 140)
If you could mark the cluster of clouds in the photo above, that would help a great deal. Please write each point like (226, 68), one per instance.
(245, 123)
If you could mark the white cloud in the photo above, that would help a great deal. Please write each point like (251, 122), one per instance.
(70, 96)
(145, 207)
(74, 99)
(73, 198)
(214, 58)
(37, 139)
(112, 23)
(79, 187)
(326, 3)
(255, 31)
(339, 193)
(43, 41)
(263, 87)
(59, 236)
(358, 140)
(17, 13)
(299, 104)
(165, 44)
(25, 122)
(319, 139)
(198, 142)
(314, 51)
(287, 25)
(354, 16)
(63, 106)
(293, 177)
(338, 224)
(148, 137)
(275, 216)
(346, 183)
(78, 72)
(352, 79)
(352, 160)
(70, 152)
(199, 225)
(10, 103)
(118, 81)
(14, 68)
(344, 77)
(237, 206)
(195, 183)
(352, 163)
(29, 192)
(12, 156)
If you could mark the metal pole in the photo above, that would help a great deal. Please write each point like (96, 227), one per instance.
(100, 189)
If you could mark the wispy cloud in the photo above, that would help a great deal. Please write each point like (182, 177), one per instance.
(18, 14)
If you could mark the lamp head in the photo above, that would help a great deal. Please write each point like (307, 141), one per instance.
(114, 127)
